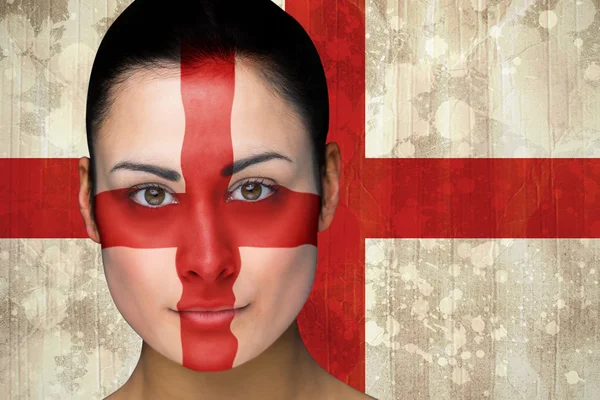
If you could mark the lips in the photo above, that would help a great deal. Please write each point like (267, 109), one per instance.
(209, 308)
(210, 316)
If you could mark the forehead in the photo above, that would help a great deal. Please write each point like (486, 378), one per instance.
(147, 120)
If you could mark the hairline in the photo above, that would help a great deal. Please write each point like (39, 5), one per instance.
(164, 69)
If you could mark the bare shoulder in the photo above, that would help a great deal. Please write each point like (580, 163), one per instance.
(114, 396)
(340, 391)
(349, 393)
(120, 394)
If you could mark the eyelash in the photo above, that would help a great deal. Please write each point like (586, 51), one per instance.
(137, 188)
(260, 181)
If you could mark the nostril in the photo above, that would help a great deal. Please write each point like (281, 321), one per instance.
(223, 274)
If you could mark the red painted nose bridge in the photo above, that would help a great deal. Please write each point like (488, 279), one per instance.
(206, 230)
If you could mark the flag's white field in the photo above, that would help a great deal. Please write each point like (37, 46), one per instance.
(443, 81)
(485, 318)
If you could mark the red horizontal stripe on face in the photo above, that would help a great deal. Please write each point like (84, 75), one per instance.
(277, 221)
(206, 229)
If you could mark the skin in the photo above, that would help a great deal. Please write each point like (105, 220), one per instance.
(148, 123)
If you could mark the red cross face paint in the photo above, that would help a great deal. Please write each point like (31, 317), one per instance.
(208, 269)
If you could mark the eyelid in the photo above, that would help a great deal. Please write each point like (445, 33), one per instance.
(257, 179)
(272, 187)
(136, 188)
(271, 184)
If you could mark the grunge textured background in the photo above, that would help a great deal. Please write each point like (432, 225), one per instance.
(445, 318)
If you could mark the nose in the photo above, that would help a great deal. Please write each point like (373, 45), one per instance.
(206, 252)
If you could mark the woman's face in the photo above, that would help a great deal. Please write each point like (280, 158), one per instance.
(207, 209)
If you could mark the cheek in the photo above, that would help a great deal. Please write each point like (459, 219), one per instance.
(144, 285)
(269, 274)
(142, 276)
(277, 282)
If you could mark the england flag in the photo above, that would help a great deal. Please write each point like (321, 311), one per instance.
(463, 260)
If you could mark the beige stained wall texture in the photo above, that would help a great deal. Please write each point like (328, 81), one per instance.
(483, 319)
(446, 319)
(483, 78)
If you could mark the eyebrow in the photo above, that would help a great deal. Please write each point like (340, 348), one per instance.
(165, 173)
(239, 165)
(174, 176)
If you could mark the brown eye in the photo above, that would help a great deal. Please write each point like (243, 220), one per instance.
(251, 191)
(153, 196)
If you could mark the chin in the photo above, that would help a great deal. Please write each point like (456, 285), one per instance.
(217, 362)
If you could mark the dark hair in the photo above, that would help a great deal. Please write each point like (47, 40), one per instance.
(149, 35)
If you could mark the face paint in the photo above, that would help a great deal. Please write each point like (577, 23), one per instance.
(206, 229)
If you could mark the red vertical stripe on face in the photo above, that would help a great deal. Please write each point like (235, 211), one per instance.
(206, 229)
(208, 260)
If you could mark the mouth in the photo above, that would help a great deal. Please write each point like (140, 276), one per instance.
(212, 308)
(209, 317)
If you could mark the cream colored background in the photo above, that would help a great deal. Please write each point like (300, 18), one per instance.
(446, 319)
(481, 319)
(483, 78)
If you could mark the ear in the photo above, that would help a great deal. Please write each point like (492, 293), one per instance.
(84, 199)
(330, 181)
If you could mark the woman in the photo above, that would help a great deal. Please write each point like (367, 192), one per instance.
(207, 182)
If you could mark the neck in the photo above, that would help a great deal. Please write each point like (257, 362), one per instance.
(283, 371)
